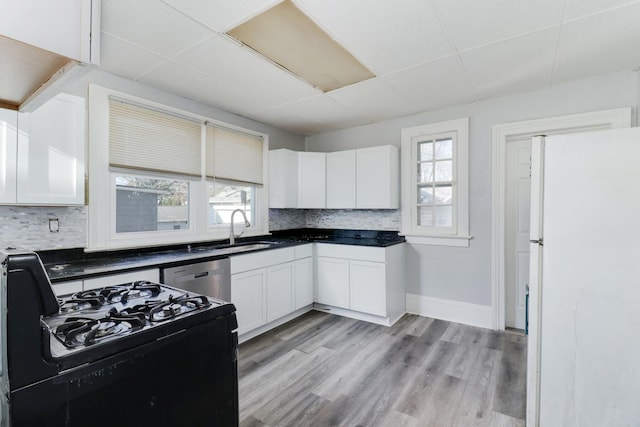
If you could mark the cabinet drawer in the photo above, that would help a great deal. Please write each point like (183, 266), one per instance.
(261, 259)
(67, 288)
(303, 251)
(363, 253)
(152, 275)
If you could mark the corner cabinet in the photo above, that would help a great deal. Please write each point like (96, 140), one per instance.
(43, 154)
(362, 282)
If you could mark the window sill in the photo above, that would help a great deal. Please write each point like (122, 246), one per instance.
(455, 241)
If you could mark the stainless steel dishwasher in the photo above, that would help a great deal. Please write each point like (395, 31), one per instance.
(211, 278)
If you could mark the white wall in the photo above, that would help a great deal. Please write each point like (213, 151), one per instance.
(464, 274)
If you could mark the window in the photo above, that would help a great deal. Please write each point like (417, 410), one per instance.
(435, 183)
(159, 175)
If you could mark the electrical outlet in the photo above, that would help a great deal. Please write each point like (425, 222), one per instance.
(54, 225)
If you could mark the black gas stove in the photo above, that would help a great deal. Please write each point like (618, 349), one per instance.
(147, 353)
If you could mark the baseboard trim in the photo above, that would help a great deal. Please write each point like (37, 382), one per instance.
(452, 311)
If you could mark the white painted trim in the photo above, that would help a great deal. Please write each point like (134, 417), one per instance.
(502, 133)
(452, 311)
(598, 120)
(457, 241)
(384, 321)
(281, 321)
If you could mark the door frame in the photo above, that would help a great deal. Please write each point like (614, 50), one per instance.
(502, 134)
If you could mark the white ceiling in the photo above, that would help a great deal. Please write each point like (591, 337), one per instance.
(426, 54)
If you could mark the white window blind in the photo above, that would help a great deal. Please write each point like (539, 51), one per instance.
(145, 139)
(233, 155)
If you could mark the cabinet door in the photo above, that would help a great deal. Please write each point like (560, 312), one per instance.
(279, 291)
(8, 144)
(341, 180)
(248, 293)
(67, 288)
(311, 180)
(367, 290)
(303, 282)
(152, 275)
(378, 177)
(51, 153)
(283, 179)
(333, 282)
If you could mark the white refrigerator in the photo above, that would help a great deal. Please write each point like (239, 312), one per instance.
(583, 366)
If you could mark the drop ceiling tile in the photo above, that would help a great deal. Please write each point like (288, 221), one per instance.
(287, 119)
(472, 23)
(434, 85)
(189, 84)
(371, 101)
(600, 44)
(221, 15)
(151, 24)
(575, 9)
(256, 77)
(124, 59)
(516, 65)
(381, 34)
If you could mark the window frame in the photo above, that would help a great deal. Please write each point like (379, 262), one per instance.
(102, 219)
(458, 233)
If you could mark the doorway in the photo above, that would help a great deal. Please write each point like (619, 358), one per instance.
(509, 260)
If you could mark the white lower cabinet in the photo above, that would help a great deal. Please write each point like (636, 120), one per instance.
(72, 286)
(269, 285)
(248, 293)
(67, 288)
(367, 287)
(333, 282)
(303, 281)
(362, 279)
(280, 298)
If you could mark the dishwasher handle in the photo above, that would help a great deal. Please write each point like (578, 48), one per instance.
(199, 275)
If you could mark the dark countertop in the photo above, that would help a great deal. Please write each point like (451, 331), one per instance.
(75, 264)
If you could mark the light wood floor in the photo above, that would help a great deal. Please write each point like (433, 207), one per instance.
(326, 370)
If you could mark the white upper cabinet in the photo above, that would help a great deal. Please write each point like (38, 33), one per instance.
(50, 157)
(283, 179)
(341, 179)
(61, 27)
(311, 180)
(378, 177)
(8, 144)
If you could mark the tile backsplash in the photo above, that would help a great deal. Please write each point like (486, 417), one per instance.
(28, 227)
(356, 219)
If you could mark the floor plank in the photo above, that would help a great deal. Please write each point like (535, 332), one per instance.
(324, 370)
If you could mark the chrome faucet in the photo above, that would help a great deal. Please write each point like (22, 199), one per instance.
(232, 237)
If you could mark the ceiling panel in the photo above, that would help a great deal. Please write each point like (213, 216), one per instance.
(190, 84)
(472, 23)
(528, 60)
(224, 60)
(151, 24)
(382, 35)
(575, 9)
(125, 59)
(433, 85)
(599, 44)
(221, 15)
(372, 100)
